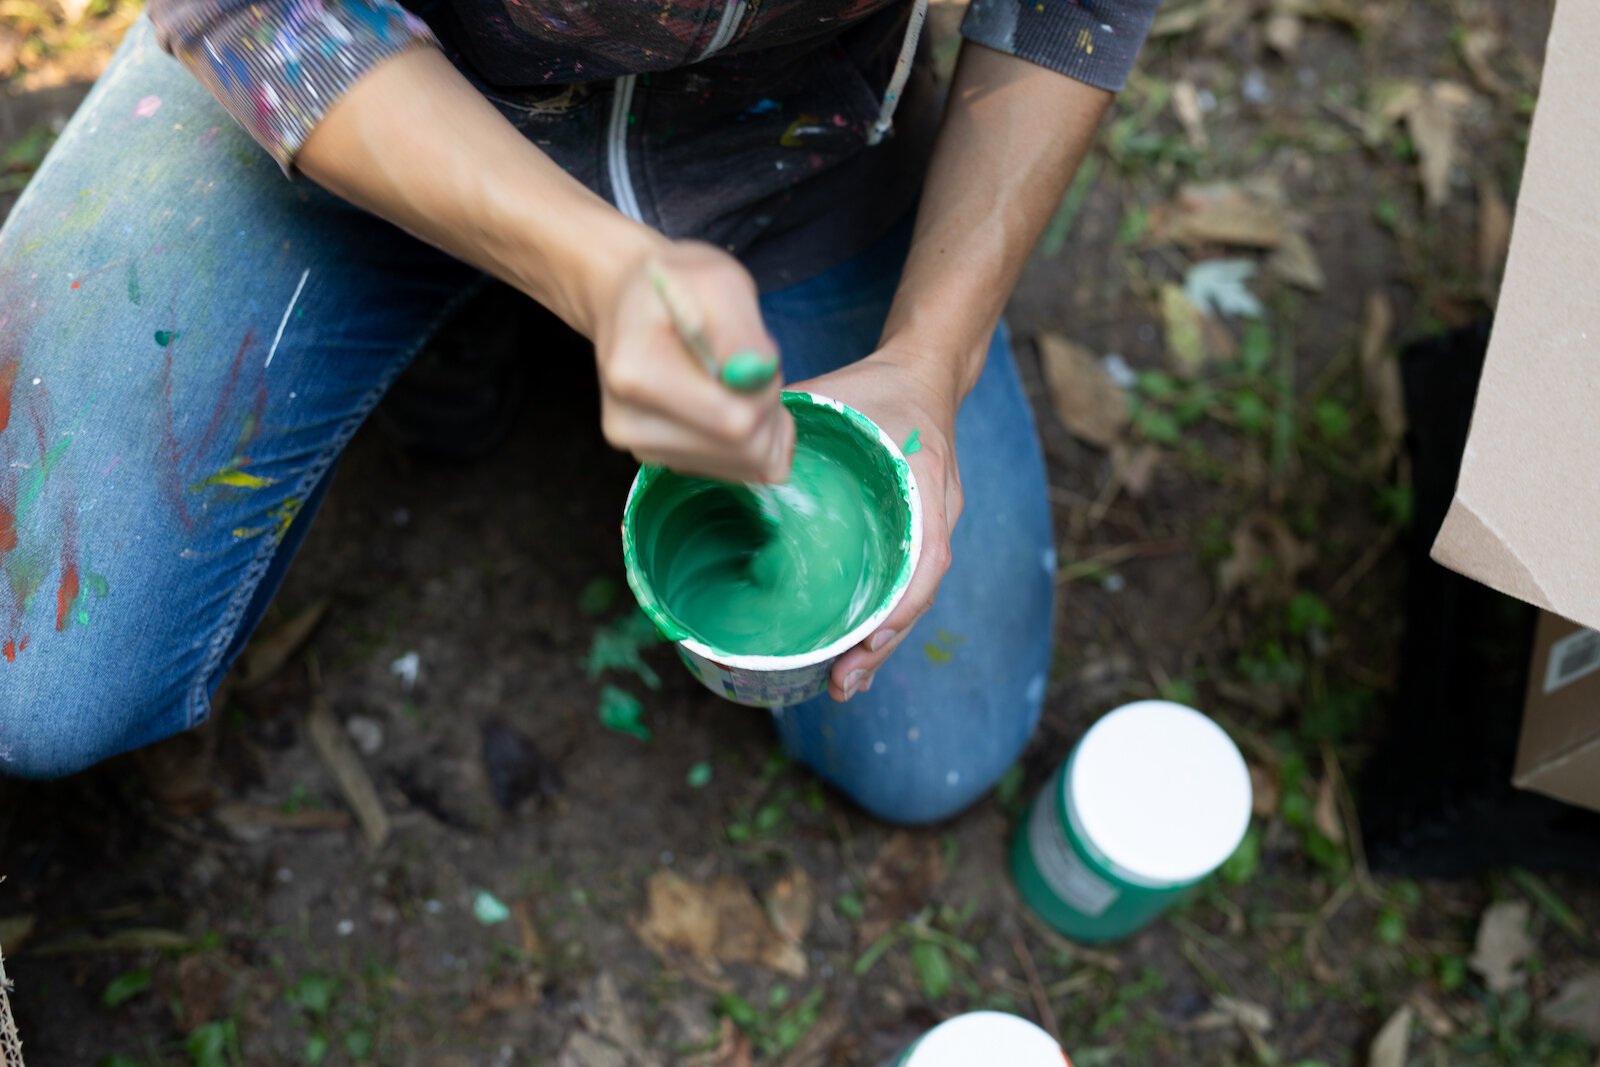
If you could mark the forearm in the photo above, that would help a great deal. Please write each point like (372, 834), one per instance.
(1012, 138)
(414, 143)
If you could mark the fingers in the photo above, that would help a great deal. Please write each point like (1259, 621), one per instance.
(661, 404)
(854, 671)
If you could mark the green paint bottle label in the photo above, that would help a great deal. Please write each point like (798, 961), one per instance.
(1067, 876)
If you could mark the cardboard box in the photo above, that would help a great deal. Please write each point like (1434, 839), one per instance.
(1559, 751)
(1526, 514)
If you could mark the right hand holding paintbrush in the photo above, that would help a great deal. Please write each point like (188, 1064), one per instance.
(688, 373)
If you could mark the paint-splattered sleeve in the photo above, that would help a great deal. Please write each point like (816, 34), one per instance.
(1094, 41)
(278, 65)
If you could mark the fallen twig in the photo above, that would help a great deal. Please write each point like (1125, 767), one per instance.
(1041, 1002)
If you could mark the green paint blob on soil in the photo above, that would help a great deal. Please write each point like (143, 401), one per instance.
(786, 572)
(621, 711)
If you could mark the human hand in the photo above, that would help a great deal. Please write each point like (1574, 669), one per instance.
(902, 392)
(657, 401)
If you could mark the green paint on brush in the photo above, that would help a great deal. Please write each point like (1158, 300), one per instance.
(749, 371)
(913, 443)
(707, 561)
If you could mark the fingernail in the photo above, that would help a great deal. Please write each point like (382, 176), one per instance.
(866, 686)
(881, 638)
(853, 679)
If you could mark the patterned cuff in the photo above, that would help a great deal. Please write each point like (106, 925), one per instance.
(1094, 41)
(277, 66)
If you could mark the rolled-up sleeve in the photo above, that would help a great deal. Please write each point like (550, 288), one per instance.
(278, 65)
(1094, 41)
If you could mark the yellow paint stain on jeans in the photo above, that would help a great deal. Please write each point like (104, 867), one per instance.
(234, 477)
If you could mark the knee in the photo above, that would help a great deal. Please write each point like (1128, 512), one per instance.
(51, 727)
(928, 780)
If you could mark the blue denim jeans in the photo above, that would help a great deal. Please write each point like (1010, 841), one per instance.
(187, 343)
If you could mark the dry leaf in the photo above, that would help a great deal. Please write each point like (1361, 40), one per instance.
(1265, 560)
(1088, 402)
(1380, 373)
(1295, 261)
(1502, 944)
(733, 1049)
(1251, 214)
(791, 904)
(1432, 115)
(1494, 231)
(1576, 1008)
(1435, 1018)
(715, 924)
(1186, 105)
(266, 655)
(1390, 1047)
(906, 869)
(1183, 325)
(1478, 47)
(1282, 33)
(609, 1037)
(1326, 812)
(1134, 466)
(522, 912)
(1264, 792)
(518, 992)
(1232, 1011)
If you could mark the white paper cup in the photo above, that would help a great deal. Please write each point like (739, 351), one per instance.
(779, 680)
(982, 1038)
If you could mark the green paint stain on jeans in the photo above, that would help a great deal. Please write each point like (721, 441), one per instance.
(166, 337)
(729, 572)
(133, 283)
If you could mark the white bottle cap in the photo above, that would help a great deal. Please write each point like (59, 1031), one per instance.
(1160, 791)
(987, 1039)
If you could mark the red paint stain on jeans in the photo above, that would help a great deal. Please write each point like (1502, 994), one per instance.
(8, 378)
(8, 530)
(66, 595)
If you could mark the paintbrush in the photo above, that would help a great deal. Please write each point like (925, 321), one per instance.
(746, 371)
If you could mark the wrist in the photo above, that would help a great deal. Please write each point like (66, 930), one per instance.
(946, 372)
(572, 257)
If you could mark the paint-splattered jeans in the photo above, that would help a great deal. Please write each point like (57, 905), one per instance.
(188, 341)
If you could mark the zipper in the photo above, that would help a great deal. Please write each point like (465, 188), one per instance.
(732, 19)
(617, 149)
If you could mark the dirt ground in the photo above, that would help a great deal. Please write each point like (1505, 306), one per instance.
(558, 886)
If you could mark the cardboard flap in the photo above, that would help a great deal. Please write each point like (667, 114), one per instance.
(1526, 517)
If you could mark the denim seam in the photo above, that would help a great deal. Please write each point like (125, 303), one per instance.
(199, 702)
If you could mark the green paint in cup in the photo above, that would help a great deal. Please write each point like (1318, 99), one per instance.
(762, 591)
(1152, 800)
(982, 1038)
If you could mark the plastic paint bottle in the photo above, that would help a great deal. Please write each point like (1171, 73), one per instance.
(1152, 800)
(984, 1039)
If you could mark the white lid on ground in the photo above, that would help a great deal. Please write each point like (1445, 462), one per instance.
(987, 1039)
(1161, 791)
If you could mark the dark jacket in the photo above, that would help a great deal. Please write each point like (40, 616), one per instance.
(791, 132)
